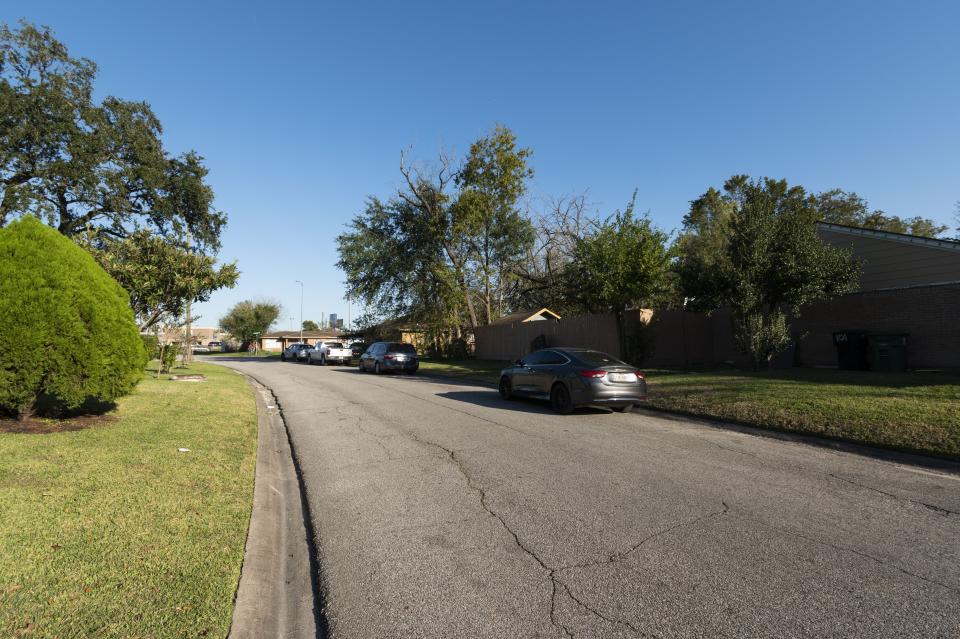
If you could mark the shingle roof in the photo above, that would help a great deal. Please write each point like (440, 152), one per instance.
(523, 316)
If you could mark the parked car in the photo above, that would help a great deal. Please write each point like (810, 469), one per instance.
(357, 348)
(385, 357)
(216, 347)
(295, 352)
(572, 377)
(199, 348)
(329, 352)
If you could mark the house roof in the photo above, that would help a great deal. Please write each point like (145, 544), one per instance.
(525, 316)
(895, 260)
(890, 236)
(310, 334)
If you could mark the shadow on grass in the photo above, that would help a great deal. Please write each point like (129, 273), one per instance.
(53, 416)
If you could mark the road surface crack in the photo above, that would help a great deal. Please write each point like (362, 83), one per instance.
(620, 556)
(597, 613)
(938, 509)
(358, 420)
(482, 494)
(854, 551)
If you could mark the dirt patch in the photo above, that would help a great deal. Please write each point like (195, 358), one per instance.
(40, 426)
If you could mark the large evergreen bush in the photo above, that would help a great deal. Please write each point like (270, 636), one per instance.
(67, 332)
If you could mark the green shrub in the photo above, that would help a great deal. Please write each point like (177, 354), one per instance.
(167, 354)
(67, 332)
(150, 344)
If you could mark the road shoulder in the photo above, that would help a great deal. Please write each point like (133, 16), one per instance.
(276, 595)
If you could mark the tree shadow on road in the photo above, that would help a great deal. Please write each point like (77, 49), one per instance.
(491, 399)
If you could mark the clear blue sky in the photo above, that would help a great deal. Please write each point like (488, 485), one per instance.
(301, 109)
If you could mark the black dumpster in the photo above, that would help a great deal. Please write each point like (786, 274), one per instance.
(887, 351)
(851, 350)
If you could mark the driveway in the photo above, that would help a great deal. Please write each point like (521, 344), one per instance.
(442, 511)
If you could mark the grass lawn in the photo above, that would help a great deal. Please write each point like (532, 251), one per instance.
(917, 412)
(910, 411)
(474, 369)
(111, 532)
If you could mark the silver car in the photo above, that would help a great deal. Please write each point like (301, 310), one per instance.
(572, 377)
(296, 352)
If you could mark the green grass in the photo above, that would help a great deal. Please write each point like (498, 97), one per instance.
(110, 532)
(471, 369)
(917, 412)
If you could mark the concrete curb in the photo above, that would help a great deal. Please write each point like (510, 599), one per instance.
(276, 596)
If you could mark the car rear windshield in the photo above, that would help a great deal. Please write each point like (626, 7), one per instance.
(402, 348)
(596, 358)
(335, 345)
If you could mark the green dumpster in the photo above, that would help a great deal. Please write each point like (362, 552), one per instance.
(887, 351)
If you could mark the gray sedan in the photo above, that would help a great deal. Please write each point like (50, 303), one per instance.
(572, 377)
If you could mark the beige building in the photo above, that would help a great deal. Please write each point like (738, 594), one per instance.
(276, 341)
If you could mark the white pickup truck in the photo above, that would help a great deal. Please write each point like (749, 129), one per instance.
(329, 353)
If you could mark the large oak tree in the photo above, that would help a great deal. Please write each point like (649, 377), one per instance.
(754, 247)
(79, 164)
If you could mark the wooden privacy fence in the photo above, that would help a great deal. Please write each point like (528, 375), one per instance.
(672, 338)
(680, 339)
(512, 341)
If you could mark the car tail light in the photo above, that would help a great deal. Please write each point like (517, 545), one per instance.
(388, 356)
(593, 374)
(641, 375)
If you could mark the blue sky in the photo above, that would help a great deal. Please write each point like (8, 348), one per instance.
(301, 109)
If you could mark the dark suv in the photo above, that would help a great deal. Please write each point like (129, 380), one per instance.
(383, 357)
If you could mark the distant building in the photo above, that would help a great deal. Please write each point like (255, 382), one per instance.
(333, 320)
(199, 335)
(276, 341)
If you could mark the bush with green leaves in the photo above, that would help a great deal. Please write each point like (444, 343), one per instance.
(67, 332)
(167, 354)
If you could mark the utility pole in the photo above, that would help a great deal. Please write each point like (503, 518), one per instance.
(301, 310)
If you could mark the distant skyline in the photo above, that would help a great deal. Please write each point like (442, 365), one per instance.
(301, 109)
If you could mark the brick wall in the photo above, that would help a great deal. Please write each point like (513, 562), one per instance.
(930, 314)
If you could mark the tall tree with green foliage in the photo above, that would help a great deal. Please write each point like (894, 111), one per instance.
(68, 333)
(623, 262)
(754, 248)
(161, 276)
(78, 164)
(309, 325)
(247, 319)
(491, 182)
(429, 254)
(847, 208)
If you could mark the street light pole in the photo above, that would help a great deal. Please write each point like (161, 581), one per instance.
(301, 310)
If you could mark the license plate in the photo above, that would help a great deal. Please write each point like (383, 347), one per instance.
(623, 377)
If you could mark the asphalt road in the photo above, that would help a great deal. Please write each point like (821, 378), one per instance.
(442, 511)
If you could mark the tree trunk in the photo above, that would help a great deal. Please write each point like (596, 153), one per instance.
(26, 412)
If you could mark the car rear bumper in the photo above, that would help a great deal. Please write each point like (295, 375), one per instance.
(400, 366)
(599, 393)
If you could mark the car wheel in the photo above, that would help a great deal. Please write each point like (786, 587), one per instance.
(376, 368)
(360, 366)
(506, 388)
(283, 358)
(623, 409)
(560, 399)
